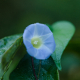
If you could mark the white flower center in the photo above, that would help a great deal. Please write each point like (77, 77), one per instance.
(36, 42)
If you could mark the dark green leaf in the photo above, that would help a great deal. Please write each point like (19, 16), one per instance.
(24, 70)
(63, 32)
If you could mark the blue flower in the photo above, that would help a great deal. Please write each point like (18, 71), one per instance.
(39, 41)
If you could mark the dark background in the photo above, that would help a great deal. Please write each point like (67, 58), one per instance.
(15, 15)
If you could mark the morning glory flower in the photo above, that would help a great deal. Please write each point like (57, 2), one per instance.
(39, 41)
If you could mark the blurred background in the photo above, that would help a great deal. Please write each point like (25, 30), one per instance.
(15, 15)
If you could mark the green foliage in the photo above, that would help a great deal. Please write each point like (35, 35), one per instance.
(63, 32)
(8, 47)
(15, 61)
(12, 51)
(24, 70)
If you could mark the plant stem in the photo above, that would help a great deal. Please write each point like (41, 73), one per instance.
(39, 69)
(34, 69)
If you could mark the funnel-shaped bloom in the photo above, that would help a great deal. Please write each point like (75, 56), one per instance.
(39, 41)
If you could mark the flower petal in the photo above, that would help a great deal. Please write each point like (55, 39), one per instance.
(31, 51)
(44, 37)
(27, 43)
(43, 53)
(41, 29)
(50, 43)
(28, 32)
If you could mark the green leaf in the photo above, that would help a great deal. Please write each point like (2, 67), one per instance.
(18, 56)
(24, 70)
(8, 47)
(62, 32)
